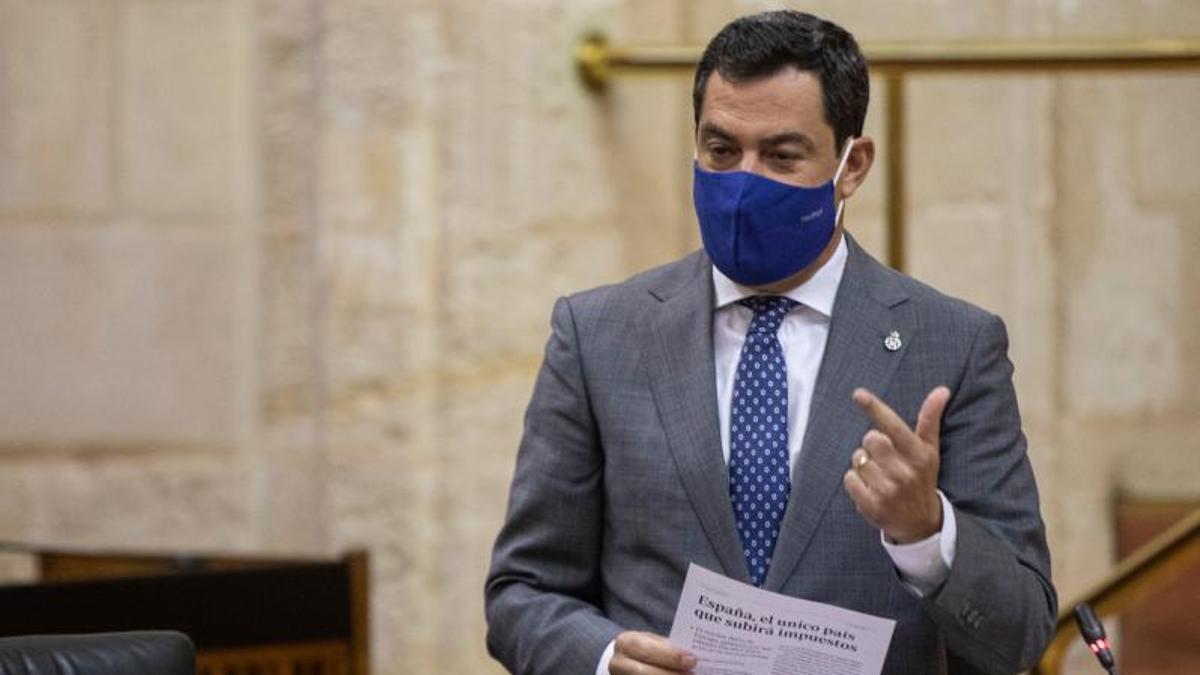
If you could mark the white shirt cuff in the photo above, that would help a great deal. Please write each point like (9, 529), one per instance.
(925, 564)
(602, 667)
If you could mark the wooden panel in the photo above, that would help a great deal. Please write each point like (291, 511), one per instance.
(246, 615)
(316, 658)
(1159, 633)
(67, 565)
(360, 612)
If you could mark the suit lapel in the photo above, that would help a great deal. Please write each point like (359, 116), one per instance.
(866, 310)
(683, 381)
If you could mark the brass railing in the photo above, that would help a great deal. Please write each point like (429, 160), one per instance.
(1150, 567)
(599, 62)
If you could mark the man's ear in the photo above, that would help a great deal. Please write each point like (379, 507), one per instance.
(858, 165)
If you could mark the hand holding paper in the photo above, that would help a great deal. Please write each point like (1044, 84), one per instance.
(639, 653)
(737, 629)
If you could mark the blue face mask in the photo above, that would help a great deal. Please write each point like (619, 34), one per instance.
(758, 231)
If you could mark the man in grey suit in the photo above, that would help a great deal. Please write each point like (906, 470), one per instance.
(779, 408)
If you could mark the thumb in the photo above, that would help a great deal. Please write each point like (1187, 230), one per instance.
(929, 420)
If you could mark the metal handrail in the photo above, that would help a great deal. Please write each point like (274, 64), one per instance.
(599, 61)
(1151, 566)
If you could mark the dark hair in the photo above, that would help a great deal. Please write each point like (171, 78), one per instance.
(761, 45)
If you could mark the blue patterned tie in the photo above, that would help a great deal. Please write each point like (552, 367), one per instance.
(758, 435)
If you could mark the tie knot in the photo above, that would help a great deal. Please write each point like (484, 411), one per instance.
(769, 311)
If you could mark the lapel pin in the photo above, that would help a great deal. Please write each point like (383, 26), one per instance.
(892, 342)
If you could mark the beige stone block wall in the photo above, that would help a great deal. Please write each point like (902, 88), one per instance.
(124, 337)
(128, 211)
(56, 63)
(276, 275)
(185, 108)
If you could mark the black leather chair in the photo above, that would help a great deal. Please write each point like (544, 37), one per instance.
(127, 653)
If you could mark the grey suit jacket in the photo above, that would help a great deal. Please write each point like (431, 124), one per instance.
(620, 480)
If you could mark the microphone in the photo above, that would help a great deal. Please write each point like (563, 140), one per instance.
(1093, 634)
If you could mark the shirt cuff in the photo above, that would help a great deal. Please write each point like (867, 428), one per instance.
(925, 564)
(602, 667)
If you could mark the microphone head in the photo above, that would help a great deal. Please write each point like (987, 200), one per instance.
(1093, 634)
(1089, 623)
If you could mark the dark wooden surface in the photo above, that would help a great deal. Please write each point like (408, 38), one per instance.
(1160, 633)
(224, 608)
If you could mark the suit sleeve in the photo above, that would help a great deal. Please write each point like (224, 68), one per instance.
(997, 607)
(543, 588)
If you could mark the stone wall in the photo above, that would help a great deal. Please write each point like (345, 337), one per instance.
(275, 274)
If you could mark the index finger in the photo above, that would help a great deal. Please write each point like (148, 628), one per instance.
(885, 419)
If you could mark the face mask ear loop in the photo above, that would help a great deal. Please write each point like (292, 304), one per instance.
(838, 174)
(842, 164)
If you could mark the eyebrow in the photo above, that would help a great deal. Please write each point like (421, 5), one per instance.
(709, 129)
(792, 137)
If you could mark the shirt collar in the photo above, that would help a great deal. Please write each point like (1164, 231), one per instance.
(817, 293)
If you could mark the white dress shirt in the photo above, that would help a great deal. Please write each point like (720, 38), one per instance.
(922, 565)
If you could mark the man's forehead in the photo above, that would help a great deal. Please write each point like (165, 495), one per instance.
(787, 101)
